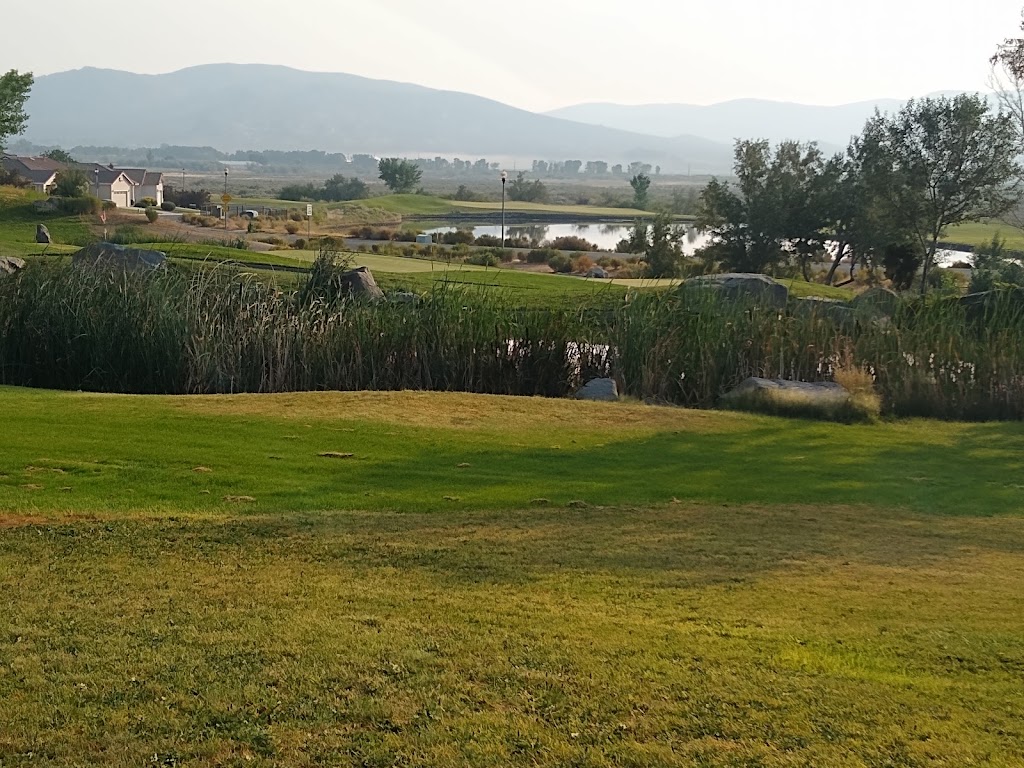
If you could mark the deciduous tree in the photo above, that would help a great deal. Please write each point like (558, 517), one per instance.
(401, 176)
(941, 162)
(14, 90)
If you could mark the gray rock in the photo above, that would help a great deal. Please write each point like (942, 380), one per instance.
(112, 256)
(737, 286)
(824, 392)
(877, 302)
(405, 297)
(599, 390)
(9, 265)
(43, 235)
(836, 310)
(360, 283)
(597, 272)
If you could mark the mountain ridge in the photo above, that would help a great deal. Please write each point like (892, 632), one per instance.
(262, 106)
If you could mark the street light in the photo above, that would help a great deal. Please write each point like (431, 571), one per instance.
(96, 174)
(504, 178)
(224, 200)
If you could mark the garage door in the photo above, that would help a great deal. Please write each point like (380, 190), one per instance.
(121, 199)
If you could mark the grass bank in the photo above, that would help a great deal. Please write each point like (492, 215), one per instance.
(187, 581)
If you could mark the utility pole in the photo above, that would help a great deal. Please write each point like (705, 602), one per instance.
(504, 178)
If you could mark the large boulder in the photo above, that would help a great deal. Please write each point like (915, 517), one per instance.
(836, 310)
(738, 286)
(9, 265)
(877, 302)
(360, 284)
(598, 272)
(112, 256)
(817, 392)
(600, 390)
(43, 235)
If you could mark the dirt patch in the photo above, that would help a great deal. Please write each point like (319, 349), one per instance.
(21, 521)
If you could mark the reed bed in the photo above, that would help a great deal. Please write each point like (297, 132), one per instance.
(202, 331)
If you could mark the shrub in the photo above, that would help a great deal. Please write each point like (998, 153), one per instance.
(152, 215)
(459, 237)
(581, 263)
(483, 259)
(541, 255)
(300, 244)
(506, 255)
(572, 243)
(146, 202)
(560, 263)
(167, 205)
(296, 215)
(292, 228)
(79, 206)
(488, 241)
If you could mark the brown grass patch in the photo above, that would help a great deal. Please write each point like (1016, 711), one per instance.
(454, 410)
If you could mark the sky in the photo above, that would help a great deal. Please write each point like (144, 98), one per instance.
(544, 54)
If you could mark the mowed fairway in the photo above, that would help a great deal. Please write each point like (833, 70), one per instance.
(468, 580)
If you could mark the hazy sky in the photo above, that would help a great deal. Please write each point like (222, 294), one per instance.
(542, 54)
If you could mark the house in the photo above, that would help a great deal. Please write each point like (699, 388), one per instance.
(40, 172)
(111, 184)
(147, 184)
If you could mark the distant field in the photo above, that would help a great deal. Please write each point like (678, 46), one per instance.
(981, 233)
(425, 205)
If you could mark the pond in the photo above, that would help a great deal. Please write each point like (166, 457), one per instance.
(607, 236)
(604, 236)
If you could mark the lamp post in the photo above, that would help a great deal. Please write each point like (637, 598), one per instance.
(225, 199)
(504, 178)
(182, 179)
(96, 176)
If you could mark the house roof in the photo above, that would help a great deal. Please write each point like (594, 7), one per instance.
(38, 170)
(153, 179)
(107, 175)
(137, 175)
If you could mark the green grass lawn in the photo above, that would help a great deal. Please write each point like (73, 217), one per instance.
(427, 205)
(491, 581)
(982, 232)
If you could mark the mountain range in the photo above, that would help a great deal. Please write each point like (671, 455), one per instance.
(234, 106)
(263, 107)
(830, 126)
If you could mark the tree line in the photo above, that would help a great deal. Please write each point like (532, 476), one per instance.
(886, 202)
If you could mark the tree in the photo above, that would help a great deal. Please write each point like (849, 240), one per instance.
(60, 155)
(400, 176)
(338, 188)
(525, 191)
(775, 211)
(941, 162)
(71, 183)
(995, 267)
(14, 90)
(572, 167)
(641, 184)
(597, 167)
(664, 251)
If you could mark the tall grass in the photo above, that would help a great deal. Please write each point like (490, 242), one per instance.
(202, 331)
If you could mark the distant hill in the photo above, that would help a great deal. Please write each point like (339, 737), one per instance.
(234, 106)
(745, 118)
